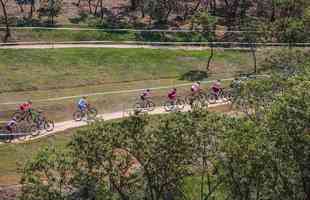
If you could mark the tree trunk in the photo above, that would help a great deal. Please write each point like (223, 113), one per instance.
(133, 4)
(101, 9)
(273, 12)
(210, 57)
(89, 6)
(202, 185)
(253, 50)
(142, 11)
(32, 8)
(6, 20)
(96, 7)
(21, 8)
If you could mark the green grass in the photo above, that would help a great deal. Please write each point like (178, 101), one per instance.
(41, 69)
(14, 156)
(48, 73)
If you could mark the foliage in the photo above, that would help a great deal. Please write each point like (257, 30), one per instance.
(50, 8)
(47, 175)
(286, 63)
(263, 155)
(276, 20)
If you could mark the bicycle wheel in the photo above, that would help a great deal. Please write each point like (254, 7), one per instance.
(30, 118)
(226, 96)
(150, 106)
(211, 98)
(22, 130)
(33, 130)
(6, 136)
(92, 113)
(49, 125)
(169, 106)
(202, 97)
(78, 116)
(138, 107)
(180, 104)
(189, 99)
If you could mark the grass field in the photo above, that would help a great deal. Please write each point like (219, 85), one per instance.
(41, 69)
(48, 73)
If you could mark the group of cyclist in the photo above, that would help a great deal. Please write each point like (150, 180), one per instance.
(195, 90)
(172, 96)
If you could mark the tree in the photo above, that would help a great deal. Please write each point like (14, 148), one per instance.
(251, 37)
(47, 176)
(208, 24)
(289, 122)
(6, 20)
(51, 9)
(104, 155)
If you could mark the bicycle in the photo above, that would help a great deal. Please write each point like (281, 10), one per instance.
(146, 105)
(24, 115)
(198, 104)
(40, 121)
(19, 132)
(225, 96)
(172, 105)
(43, 123)
(190, 98)
(89, 112)
(6, 135)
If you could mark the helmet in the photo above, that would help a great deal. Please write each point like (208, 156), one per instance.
(174, 89)
(148, 90)
(29, 101)
(198, 82)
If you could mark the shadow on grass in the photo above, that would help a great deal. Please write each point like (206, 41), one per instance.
(194, 75)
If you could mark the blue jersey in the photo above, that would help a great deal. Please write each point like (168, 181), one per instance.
(82, 103)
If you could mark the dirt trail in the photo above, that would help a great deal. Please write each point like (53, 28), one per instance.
(119, 46)
(66, 125)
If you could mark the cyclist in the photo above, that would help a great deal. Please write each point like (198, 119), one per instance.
(216, 87)
(145, 95)
(83, 104)
(195, 88)
(10, 124)
(236, 83)
(172, 95)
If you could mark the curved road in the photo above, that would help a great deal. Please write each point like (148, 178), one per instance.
(66, 125)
